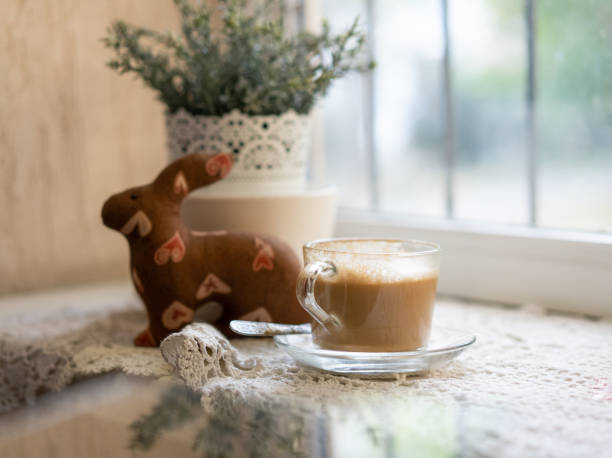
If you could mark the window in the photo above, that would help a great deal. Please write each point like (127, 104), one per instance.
(487, 126)
(483, 110)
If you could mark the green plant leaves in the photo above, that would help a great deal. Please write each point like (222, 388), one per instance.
(253, 65)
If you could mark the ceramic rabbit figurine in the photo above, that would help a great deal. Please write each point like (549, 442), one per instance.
(176, 270)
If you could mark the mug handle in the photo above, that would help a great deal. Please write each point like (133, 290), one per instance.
(305, 292)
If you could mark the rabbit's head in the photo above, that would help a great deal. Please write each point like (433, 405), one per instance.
(140, 211)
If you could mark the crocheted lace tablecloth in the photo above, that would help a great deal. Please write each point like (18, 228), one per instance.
(535, 384)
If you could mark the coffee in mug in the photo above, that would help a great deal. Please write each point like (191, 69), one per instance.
(369, 295)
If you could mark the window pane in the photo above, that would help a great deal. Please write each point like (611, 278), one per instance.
(489, 75)
(343, 111)
(574, 56)
(488, 65)
(408, 108)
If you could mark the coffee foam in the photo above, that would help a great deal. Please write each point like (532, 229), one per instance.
(386, 272)
(375, 247)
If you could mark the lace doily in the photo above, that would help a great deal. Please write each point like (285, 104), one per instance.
(46, 351)
(534, 384)
(267, 150)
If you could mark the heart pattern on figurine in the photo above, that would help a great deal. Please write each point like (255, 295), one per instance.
(137, 281)
(212, 284)
(220, 164)
(140, 220)
(264, 259)
(144, 339)
(180, 184)
(176, 315)
(173, 249)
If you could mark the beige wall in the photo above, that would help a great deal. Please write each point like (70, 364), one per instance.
(71, 133)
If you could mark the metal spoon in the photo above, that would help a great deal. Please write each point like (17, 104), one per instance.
(263, 329)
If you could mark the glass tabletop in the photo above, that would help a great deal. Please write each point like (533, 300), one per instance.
(118, 415)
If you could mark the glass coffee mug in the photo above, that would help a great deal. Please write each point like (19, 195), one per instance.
(372, 295)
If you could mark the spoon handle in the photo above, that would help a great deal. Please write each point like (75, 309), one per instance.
(263, 329)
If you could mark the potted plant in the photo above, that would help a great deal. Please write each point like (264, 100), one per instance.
(246, 87)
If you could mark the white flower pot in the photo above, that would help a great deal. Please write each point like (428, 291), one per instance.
(266, 190)
(269, 152)
(296, 218)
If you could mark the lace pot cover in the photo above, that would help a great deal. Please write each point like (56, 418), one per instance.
(269, 152)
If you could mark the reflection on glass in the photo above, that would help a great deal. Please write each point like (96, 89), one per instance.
(574, 55)
(415, 426)
(178, 406)
(228, 428)
(488, 65)
(236, 424)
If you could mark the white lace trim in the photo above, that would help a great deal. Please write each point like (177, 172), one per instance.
(263, 148)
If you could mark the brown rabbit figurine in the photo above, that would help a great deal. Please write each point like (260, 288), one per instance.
(176, 270)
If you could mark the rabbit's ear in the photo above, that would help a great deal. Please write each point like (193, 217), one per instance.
(190, 172)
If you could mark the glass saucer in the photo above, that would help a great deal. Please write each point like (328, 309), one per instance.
(444, 345)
